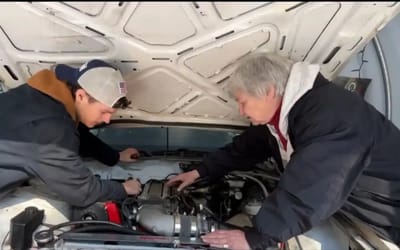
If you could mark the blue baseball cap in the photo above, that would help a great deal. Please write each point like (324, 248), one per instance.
(99, 79)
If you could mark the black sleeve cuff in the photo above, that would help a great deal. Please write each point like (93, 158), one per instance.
(115, 160)
(256, 240)
(202, 169)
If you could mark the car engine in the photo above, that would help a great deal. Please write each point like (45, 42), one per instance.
(162, 217)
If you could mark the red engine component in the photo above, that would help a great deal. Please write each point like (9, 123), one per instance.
(113, 212)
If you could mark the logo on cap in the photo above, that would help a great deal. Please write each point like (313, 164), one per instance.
(83, 66)
(123, 88)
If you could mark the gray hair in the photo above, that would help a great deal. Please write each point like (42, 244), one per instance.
(256, 73)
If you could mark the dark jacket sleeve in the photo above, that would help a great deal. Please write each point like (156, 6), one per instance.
(331, 151)
(57, 163)
(92, 146)
(250, 147)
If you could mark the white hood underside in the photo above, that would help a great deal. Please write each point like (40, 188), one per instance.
(177, 56)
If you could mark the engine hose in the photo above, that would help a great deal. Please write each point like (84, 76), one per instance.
(106, 228)
(253, 179)
(45, 236)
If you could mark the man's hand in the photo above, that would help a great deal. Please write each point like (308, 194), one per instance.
(185, 179)
(129, 155)
(229, 239)
(132, 187)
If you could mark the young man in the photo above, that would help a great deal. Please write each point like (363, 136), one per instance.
(338, 153)
(45, 124)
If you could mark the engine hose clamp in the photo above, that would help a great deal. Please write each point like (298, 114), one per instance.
(177, 224)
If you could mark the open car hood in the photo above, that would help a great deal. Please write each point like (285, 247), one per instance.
(177, 56)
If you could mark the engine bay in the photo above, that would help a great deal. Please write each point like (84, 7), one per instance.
(160, 217)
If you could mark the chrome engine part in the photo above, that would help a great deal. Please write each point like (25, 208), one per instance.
(161, 216)
(155, 220)
(159, 212)
(197, 210)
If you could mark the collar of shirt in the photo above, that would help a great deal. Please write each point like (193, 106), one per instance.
(275, 122)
